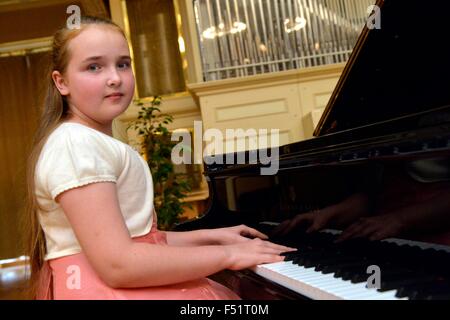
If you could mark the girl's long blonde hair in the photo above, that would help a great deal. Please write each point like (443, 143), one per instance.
(53, 111)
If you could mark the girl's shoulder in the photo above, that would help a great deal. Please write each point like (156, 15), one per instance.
(76, 132)
(76, 154)
(79, 129)
(76, 138)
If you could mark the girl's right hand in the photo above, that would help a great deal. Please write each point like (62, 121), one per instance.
(253, 252)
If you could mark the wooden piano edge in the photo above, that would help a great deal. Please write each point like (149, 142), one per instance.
(250, 286)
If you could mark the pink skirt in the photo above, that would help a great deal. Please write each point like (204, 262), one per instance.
(55, 282)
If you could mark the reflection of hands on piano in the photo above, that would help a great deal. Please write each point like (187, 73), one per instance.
(374, 228)
(316, 220)
(428, 216)
(335, 216)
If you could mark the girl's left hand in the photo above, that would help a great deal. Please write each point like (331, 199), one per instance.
(236, 234)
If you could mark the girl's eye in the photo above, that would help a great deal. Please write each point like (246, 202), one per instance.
(93, 67)
(124, 65)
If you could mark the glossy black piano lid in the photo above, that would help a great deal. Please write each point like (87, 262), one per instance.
(393, 95)
(398, 70)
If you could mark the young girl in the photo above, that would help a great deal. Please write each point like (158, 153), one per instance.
(93, 228)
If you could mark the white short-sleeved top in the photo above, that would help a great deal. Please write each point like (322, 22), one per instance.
(75, 155)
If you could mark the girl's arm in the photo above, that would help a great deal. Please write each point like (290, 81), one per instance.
(94, 214)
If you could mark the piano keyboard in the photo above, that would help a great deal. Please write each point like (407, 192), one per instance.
(302, 277)
(316, 285)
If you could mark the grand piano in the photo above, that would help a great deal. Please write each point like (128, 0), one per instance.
(385, 133)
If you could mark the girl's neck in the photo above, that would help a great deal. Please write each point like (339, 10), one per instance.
(104, 128)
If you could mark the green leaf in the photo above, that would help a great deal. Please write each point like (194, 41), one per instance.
(169, 188)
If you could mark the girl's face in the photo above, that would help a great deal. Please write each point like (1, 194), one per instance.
(99, 81)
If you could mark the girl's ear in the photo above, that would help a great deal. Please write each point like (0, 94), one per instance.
(60, 83)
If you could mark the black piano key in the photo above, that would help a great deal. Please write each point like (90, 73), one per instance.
(442, 296)
(306, 257)
(397, 283)
(325, 263)
(328, 269)
(347, 268)
(299, 260)
(404, 290)
(417, 289)
(388, 273)
(427, 291)
(309, 263)
(354, 272)
(357, 270)
(339, 268)
(289, 256)
(441, 284)
(359, 278)
(312, 262)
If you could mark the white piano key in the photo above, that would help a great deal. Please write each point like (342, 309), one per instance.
(372, 294)
(288, 269)
(309, 278)
(318, 279)
(388, 295)
(333, 285)
(357, 291)
(344, 288)
(278, 265)
(275, 264)
(324, 285)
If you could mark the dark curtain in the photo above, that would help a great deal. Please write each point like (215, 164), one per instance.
(21, 90)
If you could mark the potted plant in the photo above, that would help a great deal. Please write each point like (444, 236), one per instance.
(154, 141)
